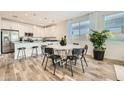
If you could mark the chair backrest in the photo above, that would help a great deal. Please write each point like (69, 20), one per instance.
(77, 51)
(49, 51)
(85, 49)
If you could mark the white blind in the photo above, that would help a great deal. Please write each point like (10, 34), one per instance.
(80, 28)
(84, 27)
(75, 29)
(114, 22)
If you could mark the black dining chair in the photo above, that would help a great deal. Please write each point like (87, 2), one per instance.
(73, 57)
(49, 54)
(76, 54)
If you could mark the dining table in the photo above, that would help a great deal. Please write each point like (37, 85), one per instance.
(66, 47)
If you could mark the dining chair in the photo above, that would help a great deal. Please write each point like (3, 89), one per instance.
(49, 54)
(84, 52)
(76, 53)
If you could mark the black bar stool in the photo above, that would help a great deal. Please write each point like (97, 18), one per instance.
(36, 51)
(23, 54)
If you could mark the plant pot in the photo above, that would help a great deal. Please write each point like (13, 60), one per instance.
(62, 43)
(98, 54)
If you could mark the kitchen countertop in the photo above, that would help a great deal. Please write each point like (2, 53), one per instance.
(29, 45)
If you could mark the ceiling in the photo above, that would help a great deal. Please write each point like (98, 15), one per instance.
(41, 18)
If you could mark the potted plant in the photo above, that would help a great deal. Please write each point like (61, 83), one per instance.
(63, 41)
(98, 40)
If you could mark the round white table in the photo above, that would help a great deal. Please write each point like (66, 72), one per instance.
(67, 47)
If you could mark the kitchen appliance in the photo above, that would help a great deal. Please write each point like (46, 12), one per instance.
(8, 37)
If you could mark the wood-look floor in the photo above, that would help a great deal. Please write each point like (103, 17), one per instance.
(31, 69)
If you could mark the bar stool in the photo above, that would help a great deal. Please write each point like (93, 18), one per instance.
(36, 51)
(23, 54)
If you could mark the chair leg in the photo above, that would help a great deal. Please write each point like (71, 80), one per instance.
(54, 69)
(43, 60)
(46, 64)
(66, 63)
(54, 66)
(75, 62)
(82, 65)
(85, 61)
(71, 69)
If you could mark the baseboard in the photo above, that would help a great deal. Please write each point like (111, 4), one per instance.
(114, 61)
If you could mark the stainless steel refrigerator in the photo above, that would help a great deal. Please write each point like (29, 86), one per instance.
(8, 37)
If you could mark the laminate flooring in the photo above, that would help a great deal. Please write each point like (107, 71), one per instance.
(32, 70)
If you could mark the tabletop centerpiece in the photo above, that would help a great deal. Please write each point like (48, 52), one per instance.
(63, 41)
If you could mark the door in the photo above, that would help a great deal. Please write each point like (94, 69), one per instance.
(5, 41)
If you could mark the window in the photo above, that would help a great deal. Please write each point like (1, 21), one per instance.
(75, 29)
(80, 29)
(84, 27)
(114, 22)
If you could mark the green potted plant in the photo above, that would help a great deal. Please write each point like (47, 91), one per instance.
(98, 40)
(63, 41)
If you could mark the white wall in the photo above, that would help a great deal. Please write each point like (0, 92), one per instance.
(37, 31)
(58, 30)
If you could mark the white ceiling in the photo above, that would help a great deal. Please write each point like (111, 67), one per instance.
(41, 18)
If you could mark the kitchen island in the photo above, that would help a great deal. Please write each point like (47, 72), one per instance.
(29, 45)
